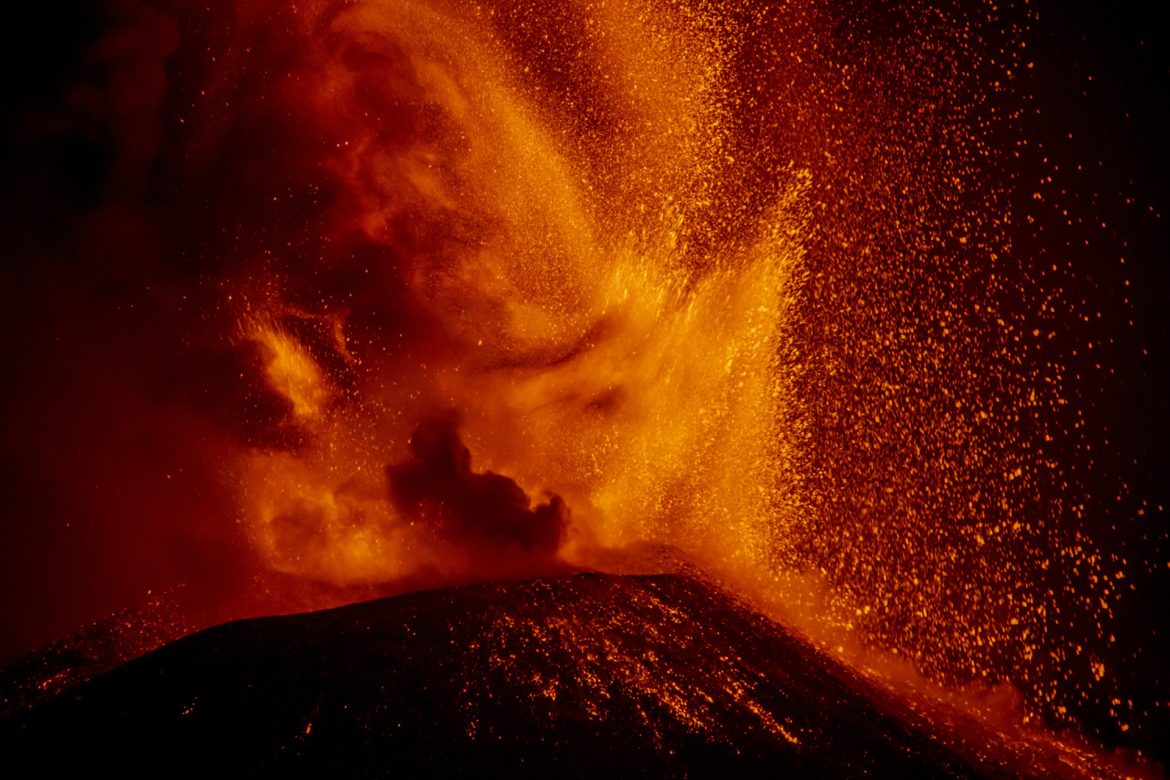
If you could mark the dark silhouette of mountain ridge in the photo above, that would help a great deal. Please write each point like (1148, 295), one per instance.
(575, 676)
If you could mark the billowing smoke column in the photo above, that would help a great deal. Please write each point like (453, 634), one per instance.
(452, 248)
(739, 282)
(479, 510)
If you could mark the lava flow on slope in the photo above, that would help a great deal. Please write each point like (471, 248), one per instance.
(577, 676)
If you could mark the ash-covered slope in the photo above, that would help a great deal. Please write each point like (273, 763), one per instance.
(582, 675)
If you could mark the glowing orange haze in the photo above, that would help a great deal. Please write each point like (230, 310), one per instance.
(709, 291)
(614, 277)
(588, 348)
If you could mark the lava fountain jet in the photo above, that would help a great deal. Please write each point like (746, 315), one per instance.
(349, 299)
(565, 317)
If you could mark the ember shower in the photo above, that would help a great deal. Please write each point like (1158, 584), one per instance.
(387, 294)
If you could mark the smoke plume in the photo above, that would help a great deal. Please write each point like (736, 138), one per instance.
(469, 509)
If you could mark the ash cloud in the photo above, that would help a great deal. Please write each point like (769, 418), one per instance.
(437, 486)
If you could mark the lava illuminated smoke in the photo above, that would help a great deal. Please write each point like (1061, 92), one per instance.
(406, 293)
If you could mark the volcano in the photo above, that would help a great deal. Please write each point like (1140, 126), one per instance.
(578, 675)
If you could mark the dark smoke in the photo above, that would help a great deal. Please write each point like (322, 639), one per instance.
(438, 487)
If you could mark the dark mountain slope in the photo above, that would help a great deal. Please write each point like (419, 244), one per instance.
(582, 675)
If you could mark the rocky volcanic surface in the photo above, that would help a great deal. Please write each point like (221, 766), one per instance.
(581, 675)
